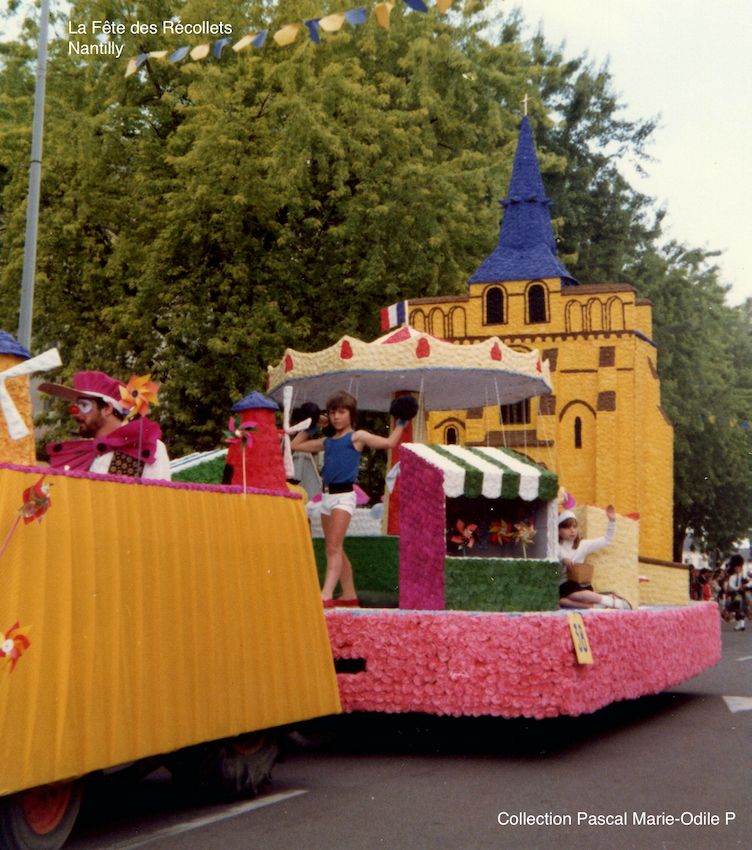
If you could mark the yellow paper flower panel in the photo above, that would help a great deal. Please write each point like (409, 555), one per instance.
(158, 617)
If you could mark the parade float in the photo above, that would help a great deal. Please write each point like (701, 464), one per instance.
(477, 629)
(178, 623)
(146, 623)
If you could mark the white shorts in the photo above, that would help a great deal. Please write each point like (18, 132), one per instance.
(337, 501)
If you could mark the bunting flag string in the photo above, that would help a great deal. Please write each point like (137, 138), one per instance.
(284, 36)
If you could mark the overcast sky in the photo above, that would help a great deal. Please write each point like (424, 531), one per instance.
(690, 62)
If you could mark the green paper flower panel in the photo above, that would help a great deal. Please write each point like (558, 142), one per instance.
(500, 584)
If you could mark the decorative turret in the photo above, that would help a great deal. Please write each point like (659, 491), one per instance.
(526, 248)
(258, 439)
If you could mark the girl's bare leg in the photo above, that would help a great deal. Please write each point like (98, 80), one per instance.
(581, 599)
(338, 567)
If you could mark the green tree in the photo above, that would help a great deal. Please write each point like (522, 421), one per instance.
(706, 389)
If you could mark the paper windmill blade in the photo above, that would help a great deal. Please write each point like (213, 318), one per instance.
(288, 430)
(138, 394)
(13, 645)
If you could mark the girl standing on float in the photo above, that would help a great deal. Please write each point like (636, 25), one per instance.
(342, 453)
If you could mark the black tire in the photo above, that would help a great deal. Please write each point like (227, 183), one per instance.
(40, 818)
(227, 769)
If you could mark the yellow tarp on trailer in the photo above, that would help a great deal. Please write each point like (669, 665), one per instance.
(158, 616)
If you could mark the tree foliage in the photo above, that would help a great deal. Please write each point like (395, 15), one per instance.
(197, 219)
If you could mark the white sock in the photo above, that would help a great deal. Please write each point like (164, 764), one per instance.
(608, 601)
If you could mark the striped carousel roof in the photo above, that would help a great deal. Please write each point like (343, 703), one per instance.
(484, 471)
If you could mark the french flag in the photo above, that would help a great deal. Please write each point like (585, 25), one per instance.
(395, 314)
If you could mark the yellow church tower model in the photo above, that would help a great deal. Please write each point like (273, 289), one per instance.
(602, 430)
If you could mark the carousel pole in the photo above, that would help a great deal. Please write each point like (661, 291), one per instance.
(35, 174)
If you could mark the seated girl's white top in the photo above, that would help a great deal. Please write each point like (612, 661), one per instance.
(566, 550)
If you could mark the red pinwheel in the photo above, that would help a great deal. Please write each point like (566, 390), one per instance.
(500, 532)
(239, 432)
(464, 535)
(14, 644)
(36, 502)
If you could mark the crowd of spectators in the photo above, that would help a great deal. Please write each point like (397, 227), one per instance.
(730, 586)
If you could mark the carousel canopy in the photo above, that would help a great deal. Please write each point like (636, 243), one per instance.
(448, 377)
(485, 471)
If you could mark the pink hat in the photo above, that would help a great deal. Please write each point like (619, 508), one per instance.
(92, 384)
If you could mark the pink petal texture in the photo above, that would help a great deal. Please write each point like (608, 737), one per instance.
(511, 665)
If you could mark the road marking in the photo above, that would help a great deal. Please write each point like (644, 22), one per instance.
(197, 823)
(745, 658)
(738, 703)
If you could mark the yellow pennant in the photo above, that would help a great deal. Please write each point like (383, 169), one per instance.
(132, 68)
(200, 52)
(158, 54)
(443, 6)
(332, 23)
(383, 11)
(579, 638)
(244, 41)
(286, 35)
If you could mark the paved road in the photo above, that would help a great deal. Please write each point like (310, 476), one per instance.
(470, 784)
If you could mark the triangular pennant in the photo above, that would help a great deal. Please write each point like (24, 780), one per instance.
(243, 42)
(260, 39)
(178, 54)
(383, 11)
(313, 30)
(332, 23)
(140, 59)
(131, 69)
(417, 5)
(287, 35)
(443, 6)
(218, 46)
(158, 54)
(200, 51)
(356, 17)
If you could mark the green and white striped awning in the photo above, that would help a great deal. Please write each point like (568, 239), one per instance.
(484, 471)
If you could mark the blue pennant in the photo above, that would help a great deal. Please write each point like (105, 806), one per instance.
(179, 54)
(314, 30)
(141, 58)
(417, 5)
(355, 17)
(260, 39)
(219, 46)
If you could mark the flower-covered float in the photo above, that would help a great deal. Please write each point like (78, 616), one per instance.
(146, 621)
(469, 557)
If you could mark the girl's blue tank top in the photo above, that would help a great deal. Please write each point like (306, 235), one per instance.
(341, 460)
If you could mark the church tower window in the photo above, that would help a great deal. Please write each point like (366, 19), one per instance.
(494, 306)
(537, 308)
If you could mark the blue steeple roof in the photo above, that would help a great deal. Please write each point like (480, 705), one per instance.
(8, 345)
(254, 401)
(526, 248)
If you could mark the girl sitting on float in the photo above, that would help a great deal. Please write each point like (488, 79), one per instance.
(573, 550)
(341, 464)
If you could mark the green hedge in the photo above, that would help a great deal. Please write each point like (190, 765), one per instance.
(209, 472)
(375, 563)
(498, 584)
